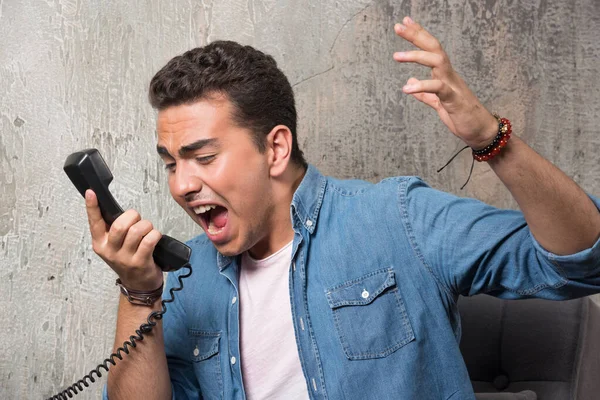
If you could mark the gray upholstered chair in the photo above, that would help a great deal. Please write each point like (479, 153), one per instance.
(531, 349)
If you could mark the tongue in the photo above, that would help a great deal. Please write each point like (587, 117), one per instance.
(218, 217)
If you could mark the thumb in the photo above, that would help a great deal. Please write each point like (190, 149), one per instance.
(98, 227)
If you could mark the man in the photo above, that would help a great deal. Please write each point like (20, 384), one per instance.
(309, 287)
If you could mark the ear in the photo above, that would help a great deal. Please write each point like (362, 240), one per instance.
(279, 149)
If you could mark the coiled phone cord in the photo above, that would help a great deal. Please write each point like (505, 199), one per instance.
(139, 335)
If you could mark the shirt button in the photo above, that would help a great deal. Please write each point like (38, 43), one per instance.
(196, 352)
(233, 360)
(233, 300)
(364, 294)
(309, 223)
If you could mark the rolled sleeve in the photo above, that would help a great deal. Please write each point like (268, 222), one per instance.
(581, 265)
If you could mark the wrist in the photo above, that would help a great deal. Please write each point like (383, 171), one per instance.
(500, 141)
(488, 133)
(490, 148)
(141, 279)
(141, 297)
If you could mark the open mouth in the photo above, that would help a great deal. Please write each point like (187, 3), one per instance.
(213, 218)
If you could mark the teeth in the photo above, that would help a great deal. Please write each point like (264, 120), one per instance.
(212, 229)
(205, 208)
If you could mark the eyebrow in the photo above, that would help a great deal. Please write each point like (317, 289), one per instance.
(188, 148)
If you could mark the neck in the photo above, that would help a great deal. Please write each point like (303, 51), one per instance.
(281, 231)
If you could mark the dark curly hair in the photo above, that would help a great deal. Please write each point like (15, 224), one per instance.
(260, 93)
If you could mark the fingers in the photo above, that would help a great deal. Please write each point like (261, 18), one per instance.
(131, 240)
(414, 85)
(126, 245)
(417, 35)
(434, 86)
(445, 92)
(135, 234)
(428, 59)
(120, 228)
(432, 55)
(147, 245)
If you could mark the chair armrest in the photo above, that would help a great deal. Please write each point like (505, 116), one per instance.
(524, 395)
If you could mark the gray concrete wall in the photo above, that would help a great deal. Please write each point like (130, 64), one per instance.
(73, 74)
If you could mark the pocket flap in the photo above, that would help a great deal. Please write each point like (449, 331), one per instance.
(204, 344)
(361, 291)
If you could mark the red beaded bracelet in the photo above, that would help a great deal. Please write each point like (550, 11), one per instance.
(500, 141)
(490, 151)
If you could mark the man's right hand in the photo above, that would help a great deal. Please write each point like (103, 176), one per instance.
(126, 245)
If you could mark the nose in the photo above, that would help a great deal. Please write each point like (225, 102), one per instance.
(184, 181)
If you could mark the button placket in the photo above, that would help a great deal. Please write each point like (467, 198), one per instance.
(233, 345)
(306, 342)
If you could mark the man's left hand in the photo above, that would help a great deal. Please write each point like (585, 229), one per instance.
(445, 92)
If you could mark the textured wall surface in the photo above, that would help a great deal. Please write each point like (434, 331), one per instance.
(74, 73)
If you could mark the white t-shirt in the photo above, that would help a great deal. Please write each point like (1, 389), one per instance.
(270, 364)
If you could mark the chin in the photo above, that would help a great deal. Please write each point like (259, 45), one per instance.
(228, 250)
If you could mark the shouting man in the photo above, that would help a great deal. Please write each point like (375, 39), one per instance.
(305, 286)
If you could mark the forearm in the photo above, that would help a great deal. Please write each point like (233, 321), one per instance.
(561, 217)
(143, 373)
(559, 214)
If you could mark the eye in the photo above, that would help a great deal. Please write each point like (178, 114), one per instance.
(205, 159)
(170, 167)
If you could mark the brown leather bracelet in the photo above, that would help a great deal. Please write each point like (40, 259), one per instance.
(140, 297)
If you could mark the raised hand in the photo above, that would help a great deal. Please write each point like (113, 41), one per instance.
(445, 92)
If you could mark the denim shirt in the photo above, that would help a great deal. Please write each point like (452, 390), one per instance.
(374, 279)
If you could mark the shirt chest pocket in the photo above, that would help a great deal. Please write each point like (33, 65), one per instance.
(206, 361)
(370, 316)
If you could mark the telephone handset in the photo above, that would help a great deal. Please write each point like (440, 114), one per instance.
(87, 170)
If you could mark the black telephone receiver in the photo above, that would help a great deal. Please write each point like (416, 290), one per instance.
(87, 170)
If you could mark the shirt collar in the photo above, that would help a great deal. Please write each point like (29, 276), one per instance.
(223, 261)
(308, 198)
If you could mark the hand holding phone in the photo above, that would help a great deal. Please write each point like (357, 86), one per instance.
(87, 170)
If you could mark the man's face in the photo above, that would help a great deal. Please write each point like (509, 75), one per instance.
(216, 173)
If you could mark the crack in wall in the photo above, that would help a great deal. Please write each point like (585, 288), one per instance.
(346, 23)
(312, 76)
(333, 45)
